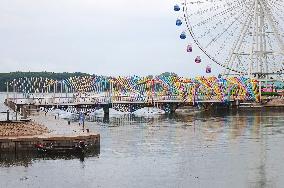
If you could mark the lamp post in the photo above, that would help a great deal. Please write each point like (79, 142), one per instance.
(259, 91)
(7, 85)
(14, 88)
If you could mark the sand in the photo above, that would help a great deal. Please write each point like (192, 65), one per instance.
(16, 129)
(276, 102)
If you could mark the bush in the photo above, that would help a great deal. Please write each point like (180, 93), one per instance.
(269, 94)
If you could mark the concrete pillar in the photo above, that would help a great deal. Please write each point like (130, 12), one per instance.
(106, 110)
(170, 108)
(106, 118)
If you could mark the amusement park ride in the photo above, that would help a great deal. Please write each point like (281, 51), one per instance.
(244, 37)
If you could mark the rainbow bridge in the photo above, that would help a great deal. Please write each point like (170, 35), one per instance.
(128, 94)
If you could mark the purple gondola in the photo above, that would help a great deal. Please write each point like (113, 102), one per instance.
(208, 69)
(189, 48)
(198, 59)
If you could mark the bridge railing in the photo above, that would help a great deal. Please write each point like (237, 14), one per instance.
(168, 98)
(128, 99)
(146, 99)
(117, 99)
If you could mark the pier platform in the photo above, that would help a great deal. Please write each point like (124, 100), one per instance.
(60, 133)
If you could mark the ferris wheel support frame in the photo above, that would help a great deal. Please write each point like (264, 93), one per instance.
(255, 41)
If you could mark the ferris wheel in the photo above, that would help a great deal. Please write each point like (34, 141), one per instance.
(243, 36)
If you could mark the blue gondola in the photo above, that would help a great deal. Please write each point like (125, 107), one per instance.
(178, 22)
(183, 35)
(176, 8)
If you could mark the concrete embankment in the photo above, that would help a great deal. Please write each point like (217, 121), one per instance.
(18, 144)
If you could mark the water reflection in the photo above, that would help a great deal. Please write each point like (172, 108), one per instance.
(252, 124)
(124, 120)
(8, 159)
(236, 123)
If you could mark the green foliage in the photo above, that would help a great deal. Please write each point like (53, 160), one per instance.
(168, 74)
(270, 94)
(6, 77)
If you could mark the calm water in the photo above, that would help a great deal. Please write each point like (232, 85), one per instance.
(220, 149)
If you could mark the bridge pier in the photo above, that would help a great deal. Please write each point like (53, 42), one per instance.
(170, 108)
(235, 104)
(106, 110)
(106, 118)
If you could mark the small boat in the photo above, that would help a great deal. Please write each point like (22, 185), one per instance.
(50, 148)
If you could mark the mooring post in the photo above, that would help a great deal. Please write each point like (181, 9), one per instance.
(83, 125)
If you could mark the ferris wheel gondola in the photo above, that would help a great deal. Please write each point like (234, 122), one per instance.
(189, 48)
(198, 59)
(208, 69)
(183, 35)
(178, 22)
(177, 8)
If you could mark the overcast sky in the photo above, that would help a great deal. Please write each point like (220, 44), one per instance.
(106, 37)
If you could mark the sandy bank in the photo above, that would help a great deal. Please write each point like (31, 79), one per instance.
(16, 129)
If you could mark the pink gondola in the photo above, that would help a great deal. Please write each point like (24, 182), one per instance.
(189, 48)
(208, 69)
(198, 59)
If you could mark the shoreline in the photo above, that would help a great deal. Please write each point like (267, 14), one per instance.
(56, 131)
